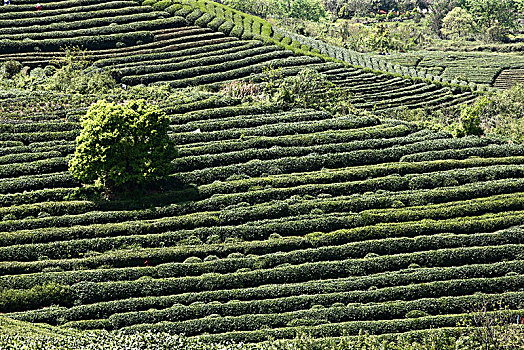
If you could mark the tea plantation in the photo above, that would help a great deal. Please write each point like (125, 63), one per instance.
(188, 43)
(493, 69)
(277, 221)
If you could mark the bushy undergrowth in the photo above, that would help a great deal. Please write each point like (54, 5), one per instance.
(13, 299)
(468, 338)
(72, 73)
(500, 113)
(307, 89)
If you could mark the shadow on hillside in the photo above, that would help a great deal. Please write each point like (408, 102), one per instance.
(160, 193)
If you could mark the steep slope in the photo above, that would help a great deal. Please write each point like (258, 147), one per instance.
(188, 43)
(275, 222)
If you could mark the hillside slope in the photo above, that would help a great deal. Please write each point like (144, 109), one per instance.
(500, 70)
(188, 43)
(275, 222)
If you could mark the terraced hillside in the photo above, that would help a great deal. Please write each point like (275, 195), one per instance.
(500, 70)
(509, 77)
(89, 23)
(275, 222)
(194, 43)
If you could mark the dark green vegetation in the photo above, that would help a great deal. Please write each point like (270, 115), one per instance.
(278, 219)
(294, 220)
(415, 33)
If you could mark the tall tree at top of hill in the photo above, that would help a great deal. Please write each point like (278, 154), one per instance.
(438, 9)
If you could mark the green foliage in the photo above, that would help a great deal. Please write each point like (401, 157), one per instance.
(502, 113)
(470, 119)
(367, 221)
(76, 75)
(489, 20)
(490, 12)
(438, 9)
(123, 145)
(162, 5)
(244, 90)
(352, 8)
(37, 337)
(262, 8)
(458, 24)
(416, 314)
(35, 297)
(304, 9)
(299, 91)
(301, 9)
(395, 236)
(380, 39)
(9, 69)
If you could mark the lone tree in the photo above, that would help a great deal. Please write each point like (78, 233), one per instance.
(121, 146)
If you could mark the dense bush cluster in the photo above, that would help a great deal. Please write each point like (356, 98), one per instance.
(123, 145)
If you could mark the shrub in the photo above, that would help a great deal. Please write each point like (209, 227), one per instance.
(470, 118)
(297, 91)
(214, 239)
(122, 145)
(162, 5)
(502, 113)
(397, 204)
(35, 297)
(9, 69)
(75, 74)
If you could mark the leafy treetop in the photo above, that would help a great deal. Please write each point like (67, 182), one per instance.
(122, 145)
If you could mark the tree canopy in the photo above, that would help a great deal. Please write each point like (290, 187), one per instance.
(122, 145)
(458, 23)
